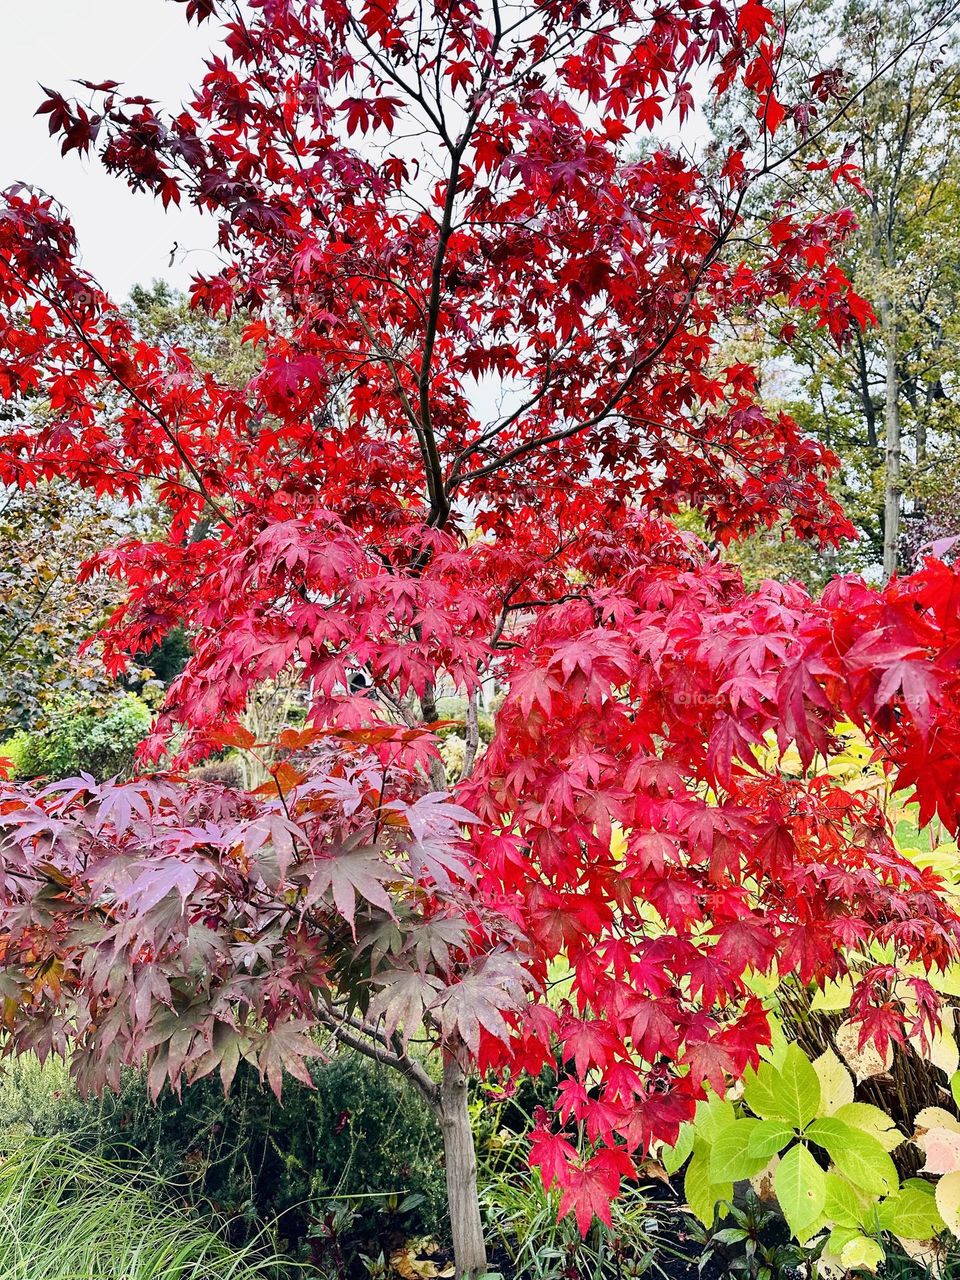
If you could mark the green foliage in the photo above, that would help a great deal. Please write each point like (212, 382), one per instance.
(46, 532)
(755, 1246)
(69, 1216)
(167, 659)
(99, 739)
(18, 753)
(35, 1098)
(355, 1161)
(163, 315)
(825, 1157)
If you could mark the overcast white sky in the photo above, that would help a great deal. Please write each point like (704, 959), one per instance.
(146, 44)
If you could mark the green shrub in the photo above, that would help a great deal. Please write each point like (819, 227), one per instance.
(19, 753)
(35, 1098)
(228, 772)
(359, 1155)
(67, 1215)
(81, 739)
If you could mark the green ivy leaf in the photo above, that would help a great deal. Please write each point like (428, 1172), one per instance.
(801, 1188)
(857, 1155)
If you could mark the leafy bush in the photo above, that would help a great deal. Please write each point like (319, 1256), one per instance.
(823, 1157)
(521, 1222)
(81, 738)
(357, 1159)
(35, 1098)
(17, 751)
(756, 1245)
(67, 1215)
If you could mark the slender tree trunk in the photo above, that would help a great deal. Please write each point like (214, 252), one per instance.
(892, 449)
(469, 1251)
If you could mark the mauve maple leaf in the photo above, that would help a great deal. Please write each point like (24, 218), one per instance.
(403, 998)
(477, 1002)
(349, 873)
(284, 1050)
(151, 880)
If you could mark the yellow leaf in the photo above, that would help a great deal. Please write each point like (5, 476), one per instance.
(948, 1201)
(618, 842)
(410, 1265)
(942, 1051)
(946, 981)
(836, 1083)
(861, 1253)
(834, 996)
(873, 1121)
(933, 1118)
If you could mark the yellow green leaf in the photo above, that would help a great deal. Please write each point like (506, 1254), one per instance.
(730, 1157)
(865, 1116)
(673, 1157)
(861, 1253)
(799, 1088)
(857, 1155)
(702, 1194)
(801, 1188)
(768, 1137)
(842, 1207)
(913, 1214)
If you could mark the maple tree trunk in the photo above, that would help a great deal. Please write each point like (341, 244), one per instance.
(460, 1158)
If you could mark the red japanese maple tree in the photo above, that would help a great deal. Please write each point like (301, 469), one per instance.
(490, 309)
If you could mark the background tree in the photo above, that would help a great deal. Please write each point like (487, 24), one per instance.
(46, 614)
(885, 401)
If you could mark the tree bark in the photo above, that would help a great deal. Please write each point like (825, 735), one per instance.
(460, 1157)
(892, 450)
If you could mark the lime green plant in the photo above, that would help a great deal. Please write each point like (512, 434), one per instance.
(915, 1074)
(798, 1135)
